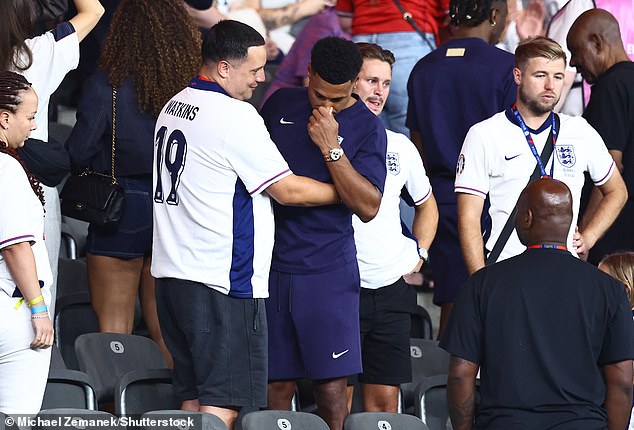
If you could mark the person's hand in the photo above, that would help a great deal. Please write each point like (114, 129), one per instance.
(579, 245)
(43, 331)
(311, 7)
(530, 21)
(204, 18)
(323, 129)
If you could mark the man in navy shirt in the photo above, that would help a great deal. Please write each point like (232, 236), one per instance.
(464, 81)
(325, 133)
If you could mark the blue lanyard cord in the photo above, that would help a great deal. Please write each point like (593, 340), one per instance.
(531, 143)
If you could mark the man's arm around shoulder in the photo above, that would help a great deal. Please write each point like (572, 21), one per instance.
(293, 190)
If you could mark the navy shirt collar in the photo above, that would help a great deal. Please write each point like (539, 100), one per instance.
(543, 127)
(206, 85)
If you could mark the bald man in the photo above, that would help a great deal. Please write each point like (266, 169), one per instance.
(551, 335)
(598, 53)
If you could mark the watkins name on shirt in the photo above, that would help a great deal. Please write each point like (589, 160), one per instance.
(181, 110)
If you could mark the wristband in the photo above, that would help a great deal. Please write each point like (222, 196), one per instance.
(37, 317)
(423, 254)
(35, 301)
(39, 309)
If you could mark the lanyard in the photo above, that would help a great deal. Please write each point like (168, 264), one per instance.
(547, 246)
(531, 144)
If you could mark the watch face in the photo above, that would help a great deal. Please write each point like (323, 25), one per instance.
(335, 154)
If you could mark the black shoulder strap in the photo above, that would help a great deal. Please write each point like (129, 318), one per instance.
(510, 222)
(408, 17)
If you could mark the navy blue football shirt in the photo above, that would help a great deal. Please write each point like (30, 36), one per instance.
(318, 239)
(461, 83)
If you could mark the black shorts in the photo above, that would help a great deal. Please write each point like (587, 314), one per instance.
(385, 316)
(218, 342)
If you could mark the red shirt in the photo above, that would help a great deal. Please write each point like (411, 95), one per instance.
(382, 16)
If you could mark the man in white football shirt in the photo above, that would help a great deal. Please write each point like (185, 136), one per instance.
(499, 155)
(385, 254)
(213, 225)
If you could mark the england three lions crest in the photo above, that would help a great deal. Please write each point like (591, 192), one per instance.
(392, 163)
(566, 155)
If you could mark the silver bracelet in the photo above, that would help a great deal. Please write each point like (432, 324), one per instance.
(37, 317)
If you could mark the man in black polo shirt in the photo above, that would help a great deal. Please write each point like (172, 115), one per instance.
(551, 335)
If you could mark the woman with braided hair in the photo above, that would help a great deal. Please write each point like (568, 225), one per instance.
(152, 51)
(26, 331)
(44, 61)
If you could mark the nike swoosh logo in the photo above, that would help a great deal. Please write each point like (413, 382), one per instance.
(336, 356)
(507, 158)
(282, 121)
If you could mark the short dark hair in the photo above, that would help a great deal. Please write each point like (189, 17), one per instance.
(229, 40)
(374, 51)
(469, 13)
(538, 47)
(336, 60)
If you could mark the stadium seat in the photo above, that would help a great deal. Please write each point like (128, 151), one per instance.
(428, 359)
(68, 389)
(74, 316)
(57, 361)
(141, 391)
(202, 420)
(245, 410)
(422, 327)
(72, 276)
(68, 244)
(383, 421)
(281, 420)
(431, 406)
(106, 357)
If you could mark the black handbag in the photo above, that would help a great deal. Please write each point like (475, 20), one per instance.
(94, 197)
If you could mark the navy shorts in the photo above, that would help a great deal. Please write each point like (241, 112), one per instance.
(445, 256)
(385, 330)
(133, 236)
(218, 342)
(314, 324)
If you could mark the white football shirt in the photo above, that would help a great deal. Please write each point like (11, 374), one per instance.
(496, 160)
(21, 220)
(212, 223)
(383, 252)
